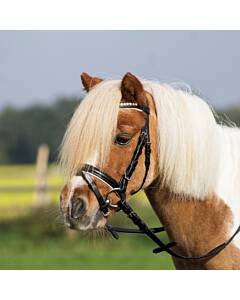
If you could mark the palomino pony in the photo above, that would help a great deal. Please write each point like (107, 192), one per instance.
(130, 134)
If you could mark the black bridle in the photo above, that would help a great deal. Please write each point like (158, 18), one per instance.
(119, 188)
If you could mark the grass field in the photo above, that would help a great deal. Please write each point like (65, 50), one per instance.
(34, 238)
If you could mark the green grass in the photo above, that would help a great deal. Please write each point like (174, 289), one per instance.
(34, 238)
(38, 241)
(47, 257)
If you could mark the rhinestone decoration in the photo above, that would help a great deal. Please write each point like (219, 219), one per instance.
(124, 104)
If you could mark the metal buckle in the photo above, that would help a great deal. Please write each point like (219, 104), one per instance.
(107, 200)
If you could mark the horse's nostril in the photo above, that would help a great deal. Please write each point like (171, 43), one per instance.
(78, 207)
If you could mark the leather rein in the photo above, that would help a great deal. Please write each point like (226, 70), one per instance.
(88, 172)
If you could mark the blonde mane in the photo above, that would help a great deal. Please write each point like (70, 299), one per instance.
(90, 132)
(187, 131)
(188, 141)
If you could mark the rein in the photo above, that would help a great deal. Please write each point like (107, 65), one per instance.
(119, 188)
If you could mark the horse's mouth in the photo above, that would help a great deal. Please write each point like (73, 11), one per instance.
(86, 223)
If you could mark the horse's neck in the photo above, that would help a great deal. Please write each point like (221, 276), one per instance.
(200, 225)
(197, 226)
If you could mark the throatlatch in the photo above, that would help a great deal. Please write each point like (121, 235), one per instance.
(119, 188)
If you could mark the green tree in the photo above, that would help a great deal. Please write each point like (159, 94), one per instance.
(21, 131)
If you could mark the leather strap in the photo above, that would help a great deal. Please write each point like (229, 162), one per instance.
(99, 174)
(93, 187)
(143, 228)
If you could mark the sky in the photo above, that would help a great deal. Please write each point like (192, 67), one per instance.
(39, 66)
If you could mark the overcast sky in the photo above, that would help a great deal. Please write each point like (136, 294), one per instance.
(38, 66)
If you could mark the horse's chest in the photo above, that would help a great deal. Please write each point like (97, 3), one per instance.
(198, 225)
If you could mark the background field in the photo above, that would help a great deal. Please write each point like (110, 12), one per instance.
(33, 236)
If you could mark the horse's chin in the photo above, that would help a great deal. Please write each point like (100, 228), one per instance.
(92, 232)
(100, 225)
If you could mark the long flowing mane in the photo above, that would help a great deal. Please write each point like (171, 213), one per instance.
(188, 136)
(188, 140)
(91, 129)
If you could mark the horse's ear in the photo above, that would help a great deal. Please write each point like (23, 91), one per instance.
(89, 82)
(132, 90)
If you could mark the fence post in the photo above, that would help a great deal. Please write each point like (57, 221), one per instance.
(42, 194)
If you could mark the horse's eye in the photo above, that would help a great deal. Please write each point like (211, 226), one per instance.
(122, 138)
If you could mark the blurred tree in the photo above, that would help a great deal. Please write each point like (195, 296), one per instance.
(21, 131)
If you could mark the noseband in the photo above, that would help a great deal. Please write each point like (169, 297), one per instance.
(88, 172)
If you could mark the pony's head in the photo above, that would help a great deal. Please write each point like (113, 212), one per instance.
(104, 132)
